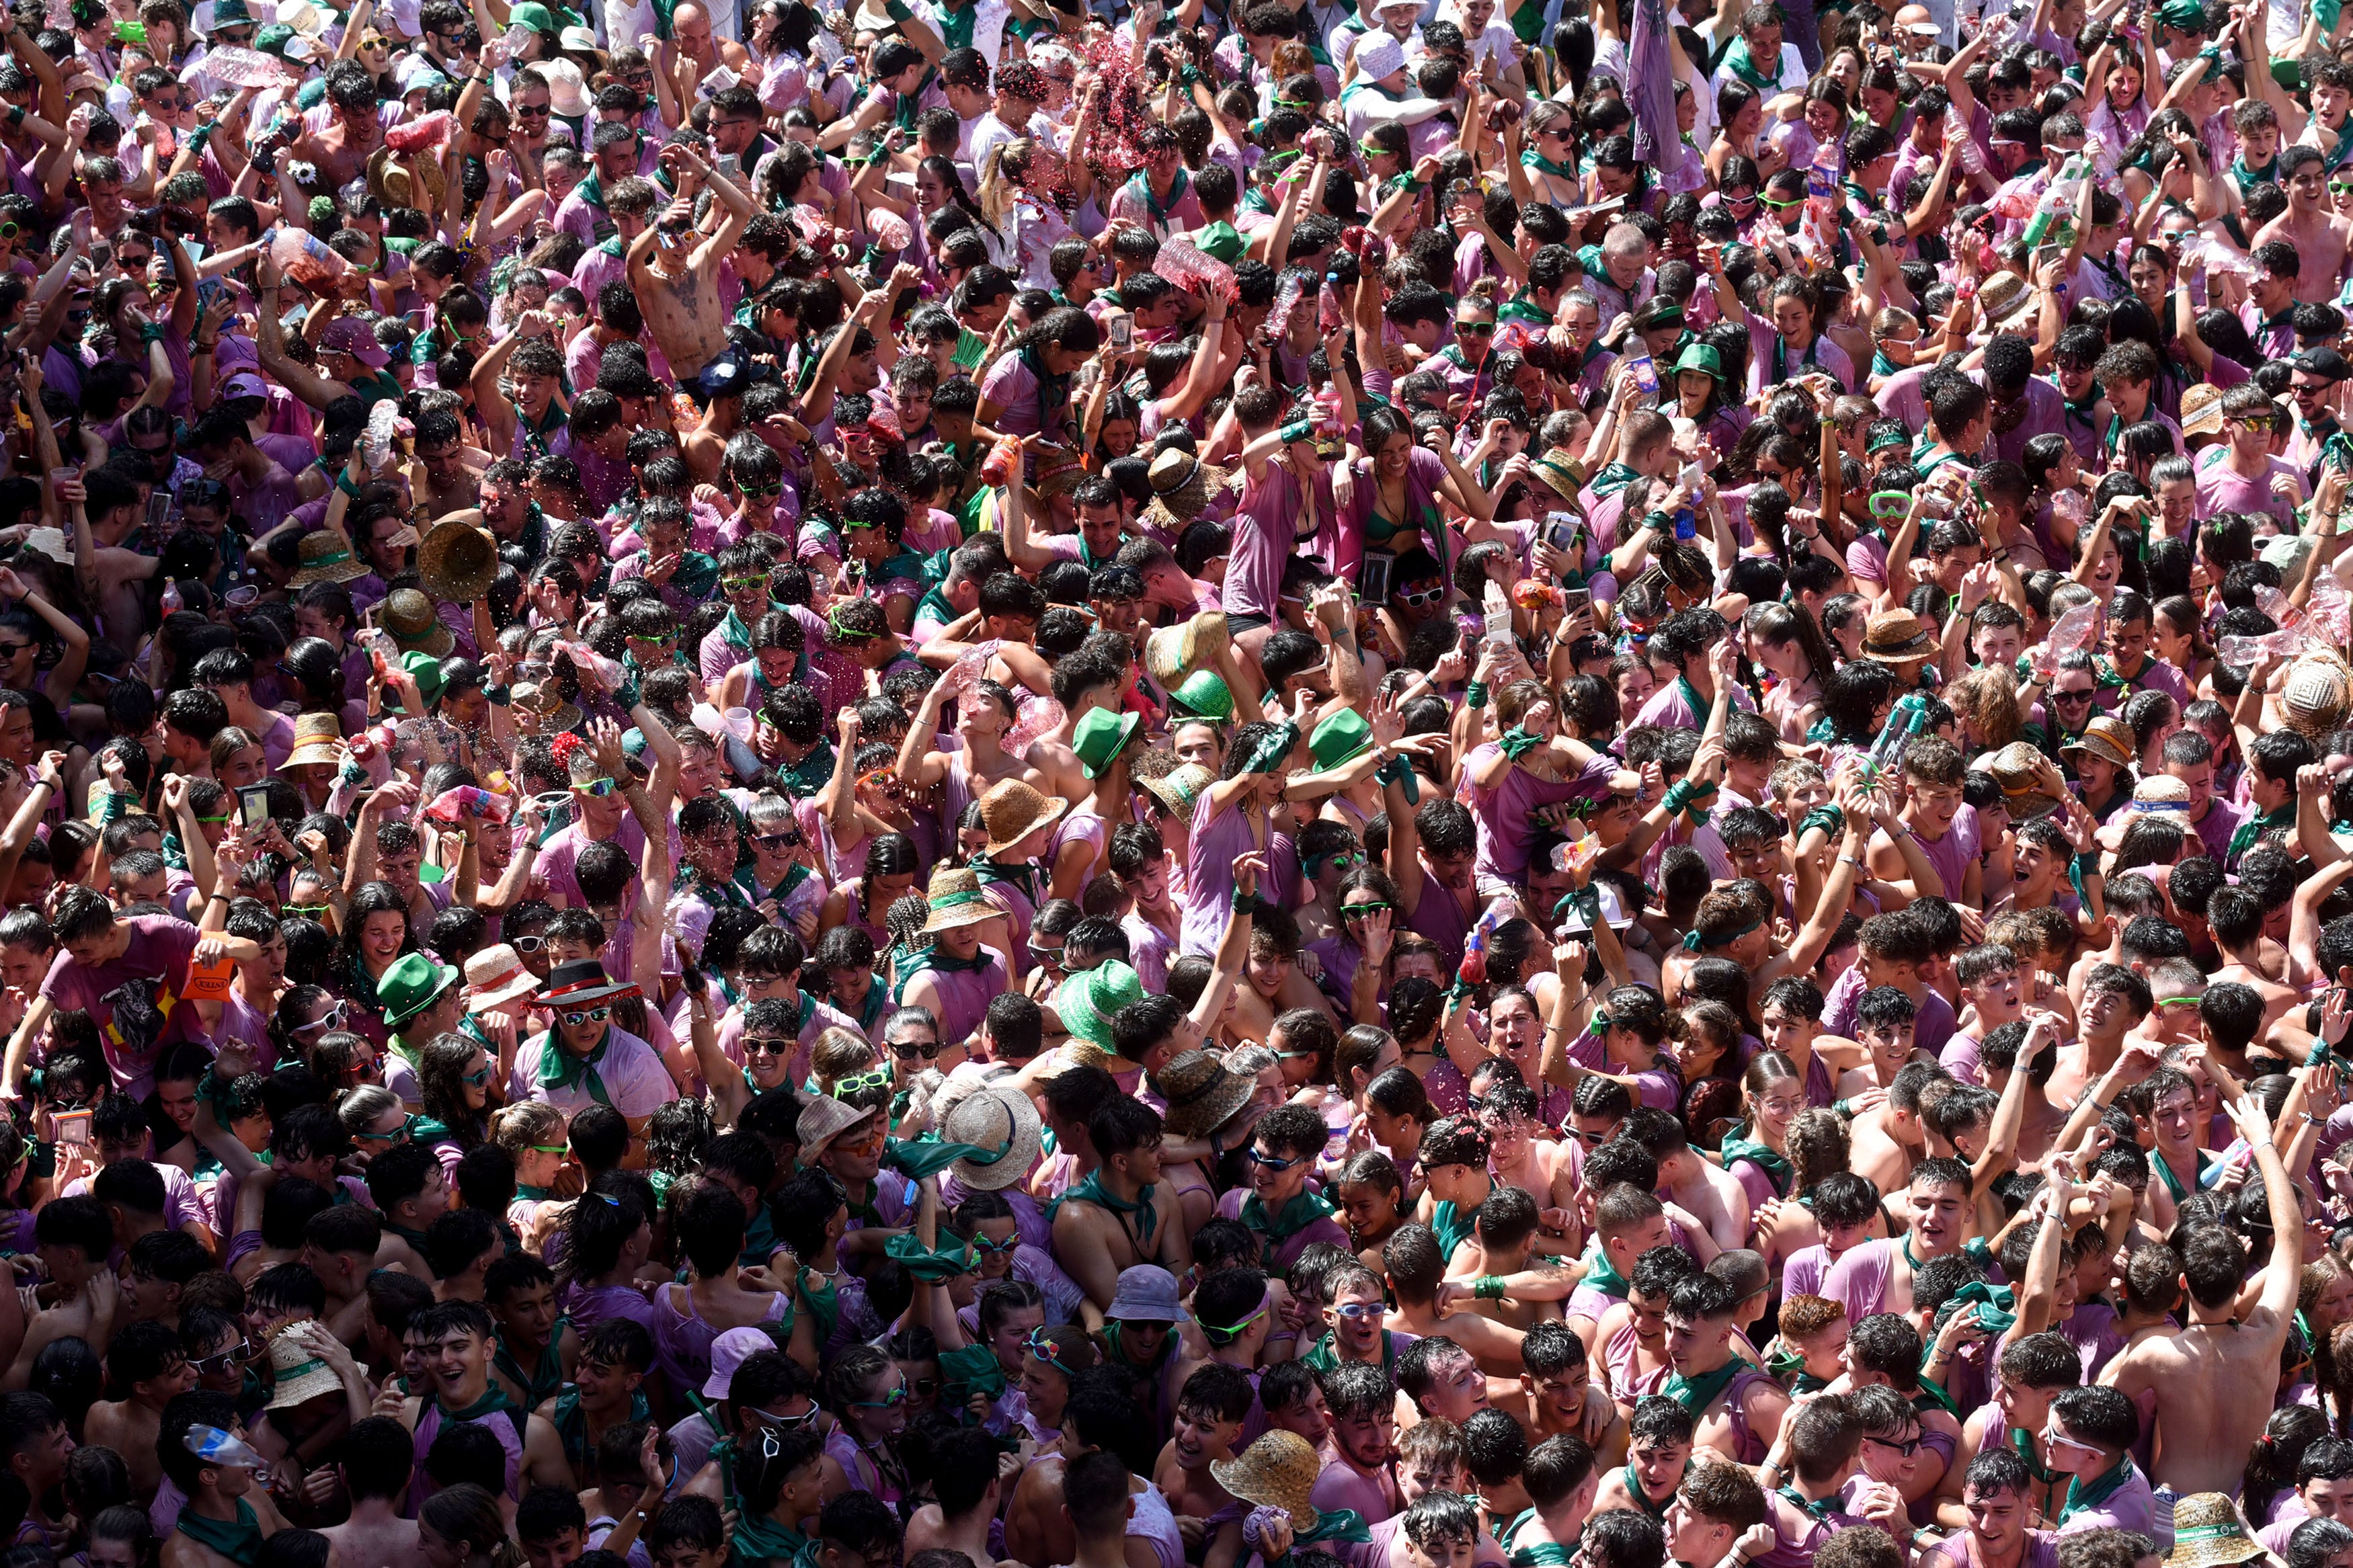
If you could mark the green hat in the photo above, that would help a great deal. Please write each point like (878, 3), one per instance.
(1204, 695)
(1699, 356)
(410, 985)
(426, 670)
(532, 14)
(1087, 1001)
(1893, 438)
(1099, 738)
(273, 39)
(1222, 241)
(231, 14)
(2183, 16)
(1343, 736)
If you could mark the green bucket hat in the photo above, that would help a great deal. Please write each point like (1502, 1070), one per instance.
(1204, 695)
(1699, 356)
(1099, 738)
(1338, 740)
(1087, 1001)
(426, 670)
(410, 985)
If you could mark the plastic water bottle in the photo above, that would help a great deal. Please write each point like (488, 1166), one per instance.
(1328, 314)
(2245, 652)
(1286, 302)
(1909, 716)
(2276, 604)
(2078, 628)
(225, 1449)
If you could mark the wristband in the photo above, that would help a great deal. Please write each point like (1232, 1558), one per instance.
(153, 333)
(1476, 696)
(16, 116)
(202, 134)
(497, 696)
(1487, 1287)
(2087, 864)
(1245, 903)
(1842, 1107)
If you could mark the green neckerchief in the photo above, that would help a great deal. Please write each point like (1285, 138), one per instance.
(529, 1193)
(1612, 478)
(2022, 1443)
(1738, 1145)
(1112, 1338)
(2156, 1158)
(591, 191)
(572, 1427)
(1517, 742)
(935, 1266)
(1159, 210)
(493, 1400)
(1090, 1190)
(1520, 308)
(1536, 1554)
(1975, 1249)
(909, 107)
(1296, 1216)
(1824, 1509)
(2081, 1498)
(1601, 1276)
(812, 774)
(762, 1539)
(1633, 1482)
(1996, 1305)
(1691, 697)
(2248, 179)
(544, 1379)
(2255, 828)
(560, 1069)
(1335, 1524)
(1882, 365)
(1696, 1394)
(969, 1371)
(240, 1541)
(1023, 876)
(1325, 1353)
(1453, 1227)
(612, 247)
(1810, 354)
(1932, 1397)
(955, 26)
(1737, 61)
(939, 963)
(1531, 159)
(824, 1302)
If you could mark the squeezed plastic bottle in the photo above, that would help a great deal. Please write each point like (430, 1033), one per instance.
(306, 259)
(1328, 314)
(469, 800)
(2244, 652)
(2058, 197)
(1286, 303)
(2078, 628)
(173, 602)
(226, 1449)
(2276, 604)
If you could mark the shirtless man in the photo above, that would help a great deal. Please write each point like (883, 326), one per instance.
(2310, 224)
(147, 1363)
(1211, 1409)
(1122, 1214)
(377, 1456)
(1080, 685)
(2235, 916)
(2205, 1425)
(448, 475)
(1415, 1273)
(676, 279)
(342, 150)
(1890, 1138)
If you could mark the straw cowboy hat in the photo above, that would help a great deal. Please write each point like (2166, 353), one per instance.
(1171, 653)
(2207, 1533)
(318, 738)
(1012, 811)
(2021, 771)
(2313, 698)
(394, 183)
(1202, 1095)
(826, 1119)
(457, 561)
(989, 1116)
(325, 558)
(409, 617)
(545, 708)
(955, 900)
(1897, 637)
(495, 977)
(1181, 487)
(299, 1375)
(2108, 738)
(1279, 1470)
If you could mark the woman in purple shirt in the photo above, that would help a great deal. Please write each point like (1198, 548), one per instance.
(1028, 390)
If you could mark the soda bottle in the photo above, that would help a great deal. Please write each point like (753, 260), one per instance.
(1001, 461)
(1646, 370)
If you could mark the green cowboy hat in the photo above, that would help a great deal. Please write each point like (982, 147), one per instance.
(1699, 356)
(1204, 695)
(426, 670)
(411, 985)
(1099, 738)
(1339, 739)
(1087, 1001)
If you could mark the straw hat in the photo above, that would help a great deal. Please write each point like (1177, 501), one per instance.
(495, 977)
(457, 561)
(325, 558)
(1172, 653)
(2201, 410)
(1559, 476)
(826, 1119)
(2159, 795)
(955, 900)
(988, 1116)
(2018, 769)
(2206, 1531)
(409, 617)
(2314, 696)
(1897, 637)
(1086, 1001)
(2105, 737)
(1202, 1095)
(1279, 1470)
(2002, 296)
(1012, 811)
(548, 712)
(1181, 487)
(318, 738)
(1180, 788)
(299, 1375)
(395, 183)
(567, 89)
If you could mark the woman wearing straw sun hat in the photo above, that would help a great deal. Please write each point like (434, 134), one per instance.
(956, 978)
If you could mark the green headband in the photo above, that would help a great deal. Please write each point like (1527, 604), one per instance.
(1692, 942)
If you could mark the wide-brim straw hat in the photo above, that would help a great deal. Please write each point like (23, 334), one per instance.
(1897, 637)
(2025, 790)
(1202, 1094)
(391, 181)
(299, 1375)
(2201, 410)
(457, 562)
(991, 1115)
(549, 713)
(1012, 811)
(1278, 1471)
(318, 738)
(2206, 1531)
(825, 1119)
(2314, 696)
(2107, 737)
(956, 900)
(1172, 653)
(1558, 475)
(496, 976)
(1182, 485)
(1181, 789)
(410, 618)
(326, 558)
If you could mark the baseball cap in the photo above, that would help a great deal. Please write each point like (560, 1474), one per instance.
(350, 335)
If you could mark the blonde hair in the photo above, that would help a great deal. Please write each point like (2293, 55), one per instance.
(1987, 699)
(1000, 178)
(524, 1123)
